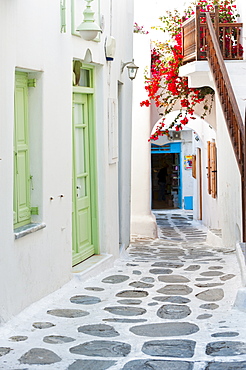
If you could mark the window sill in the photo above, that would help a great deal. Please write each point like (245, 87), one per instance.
(28, 229)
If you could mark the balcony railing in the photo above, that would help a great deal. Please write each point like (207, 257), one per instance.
(194, 33)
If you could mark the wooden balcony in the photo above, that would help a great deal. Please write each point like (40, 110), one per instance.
(194, 35)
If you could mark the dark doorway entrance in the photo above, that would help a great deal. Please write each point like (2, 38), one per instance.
(165, 176)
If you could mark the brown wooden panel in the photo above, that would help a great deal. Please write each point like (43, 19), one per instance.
(213, 160)
(209, 167)
(194, 166)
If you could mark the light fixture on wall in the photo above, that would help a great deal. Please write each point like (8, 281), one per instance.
(88, 29)
(132, 69)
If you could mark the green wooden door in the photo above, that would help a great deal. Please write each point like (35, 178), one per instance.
(22, 210)
(83, 246)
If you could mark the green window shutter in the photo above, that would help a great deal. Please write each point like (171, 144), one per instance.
(22, 210)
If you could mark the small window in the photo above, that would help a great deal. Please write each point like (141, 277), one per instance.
(81, 75)
(84, 78)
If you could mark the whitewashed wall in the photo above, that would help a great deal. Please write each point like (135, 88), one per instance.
(224, 212)
(30, 39)
(142, 219)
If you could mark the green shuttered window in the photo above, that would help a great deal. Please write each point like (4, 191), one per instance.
(22, 204)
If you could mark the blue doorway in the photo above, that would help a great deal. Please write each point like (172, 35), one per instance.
(166, 176)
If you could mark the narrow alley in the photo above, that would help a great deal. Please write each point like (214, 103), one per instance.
(166, 305)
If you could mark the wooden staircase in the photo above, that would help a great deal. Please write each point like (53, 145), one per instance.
(228, 101)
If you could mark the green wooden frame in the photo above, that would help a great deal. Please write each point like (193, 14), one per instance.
(22, 212)
(90, 91)
(63, 16)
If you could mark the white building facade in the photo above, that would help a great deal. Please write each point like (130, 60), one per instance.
(64, 144)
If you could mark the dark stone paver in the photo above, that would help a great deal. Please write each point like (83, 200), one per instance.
(102, 348)
(159, 271)
(168, 264)
(178, 289)
(204, 316)
(94, 288)
(132, 294)
(173, 279)
(18, 338)
(158, 365)
(99, 330)
(173, 312)
(211, 295)
(137, 272)
(193, 268)
(209, 306)
(226, 366)
(227, 277)
(57, 339)
(226, 348)
(115, 279)
(4, 351)
(225, 334)
(172, 299)
(211, 273)
(85, 299)
(125, 310)
(68, 313)
(91, 364)
(42, 325)
(170, 348)
(39, 356)
(130, 301)
(168, 329)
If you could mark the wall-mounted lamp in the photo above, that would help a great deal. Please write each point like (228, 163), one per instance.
(132, 69)
(88, 29)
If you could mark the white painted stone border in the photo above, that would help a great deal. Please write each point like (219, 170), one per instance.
(241, 262)
(240, 301)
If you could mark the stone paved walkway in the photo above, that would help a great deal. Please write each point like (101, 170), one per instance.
(166, 305)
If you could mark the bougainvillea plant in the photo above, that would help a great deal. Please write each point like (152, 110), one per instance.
(139, 29)
(165, 87)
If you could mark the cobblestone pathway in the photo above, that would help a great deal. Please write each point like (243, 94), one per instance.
(166, 305)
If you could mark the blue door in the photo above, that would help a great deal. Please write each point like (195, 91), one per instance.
(167, 155)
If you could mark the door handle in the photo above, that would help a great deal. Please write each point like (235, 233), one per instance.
(16, 162)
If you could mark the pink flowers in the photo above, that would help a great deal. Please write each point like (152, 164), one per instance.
(139, 29)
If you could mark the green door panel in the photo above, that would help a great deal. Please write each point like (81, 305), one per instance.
(83, 243)
(22, 210)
